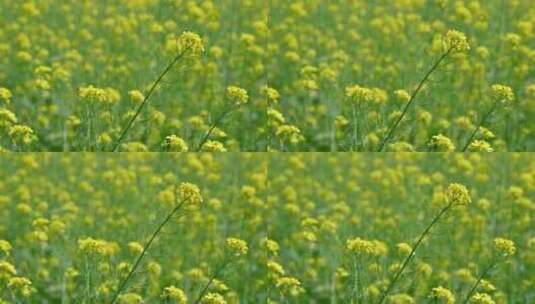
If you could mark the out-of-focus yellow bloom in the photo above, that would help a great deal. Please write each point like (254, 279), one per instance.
(5, 95)
(441, 143)
(236, 246)
(173, 294)
(442, 294)
(237, 95)
(504, 247)
(174, 143)
(502, 93)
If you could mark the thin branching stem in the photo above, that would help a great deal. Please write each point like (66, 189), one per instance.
(411, 254)
(412, 99)
(476, 284)
(146, 99)
(145, 249)
(212, 127)
(211, 280)
(479, 125)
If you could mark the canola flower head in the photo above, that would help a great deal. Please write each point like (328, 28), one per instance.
(21, 134)
(290, 133)
(135, 248)
(441, 143)
(173, 294)
(404, 249)
(190, 193)
(360, 246)
(442, 294)
(456, 41)
(272, 246)
(479, 146)
(502, 93)
(5, 95)
(213, 298)
(402, 96)
(457, 194)
(21, 285)
(130, 298)
(237, 247)
(136, 96)
(213, 146)
(237, 95)
(272, 94)
(401, 298)
(92, 94)
(5, 247)
(191, 43)
(96, 247)
(289, 286)
(481, 298)
(174, 143)
(504, 247)
(7, 117)
(357, 93)
(7, 270)
(275, 269)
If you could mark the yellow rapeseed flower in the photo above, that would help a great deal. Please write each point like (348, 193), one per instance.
(504, 247)
(456, 41)
(457, 194)
(442, 294)
(5, 95)
(174, 143)
(237, 95)
(502, 93)
(172, 294)
(190, 193)
(441, 143)
(236, 246)
(190, 43)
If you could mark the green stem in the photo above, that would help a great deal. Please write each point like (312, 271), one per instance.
(145, 248)
(481, 277)
(480, 124)
(211, 280)
(146, 99)
(411, 254)
(355, 128)
(213, 126)
(411, 100)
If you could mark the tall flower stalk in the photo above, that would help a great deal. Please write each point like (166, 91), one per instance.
(501, 95)
(503, 249)
(188, 44)
(235, 248)
(454, 42)
(238, 97)
(189, 194)
(457, 195)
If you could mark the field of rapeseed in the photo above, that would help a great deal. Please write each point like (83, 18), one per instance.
(257, 75)
(185, 78)
(73, 226)
(258, 228)
(402, 75)
(402, 228)
(84, 75)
